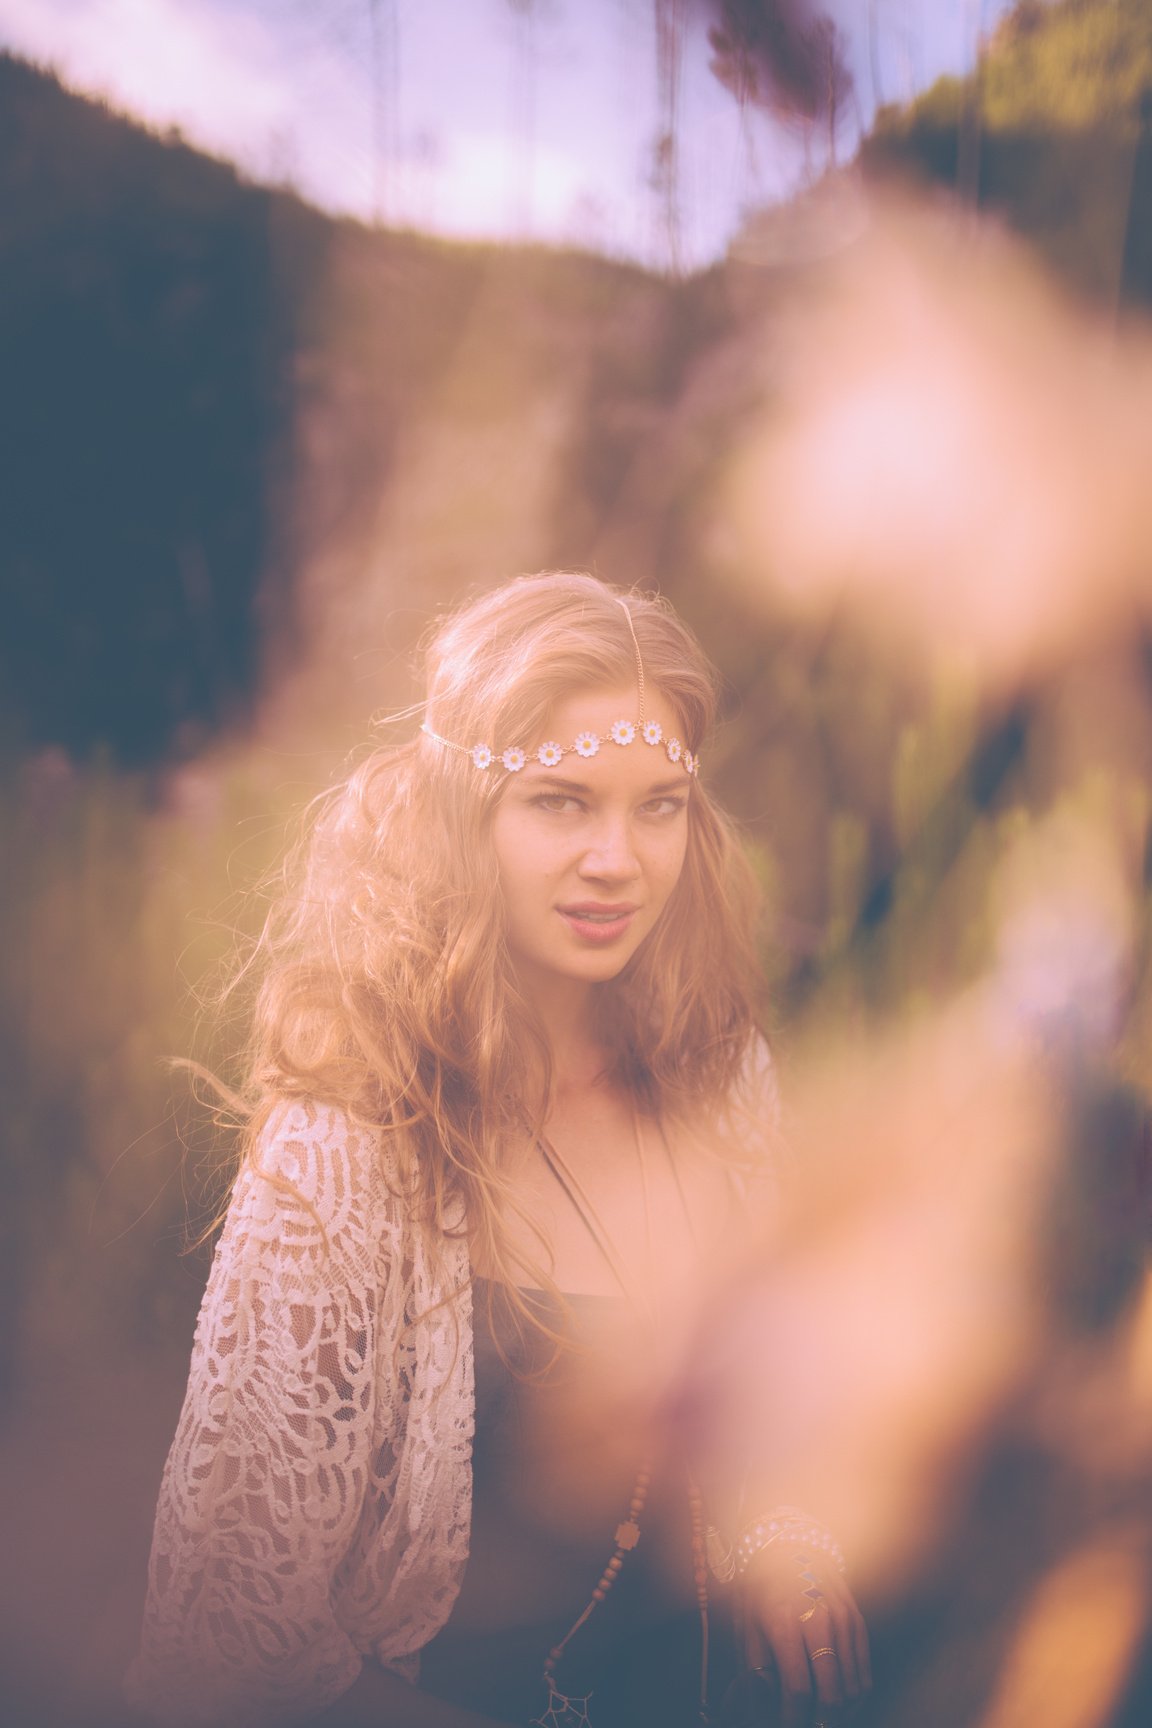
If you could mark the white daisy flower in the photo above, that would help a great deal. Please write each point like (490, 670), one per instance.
(621, 731)
(549, 755)
(653, 732)
(691, 762)
(481, 755)
(586, 743)
(675, 749)
(513, 759)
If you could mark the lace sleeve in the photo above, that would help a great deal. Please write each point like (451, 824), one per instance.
(274, 1453)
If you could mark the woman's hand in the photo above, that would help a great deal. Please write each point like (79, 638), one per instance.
(802, 1622)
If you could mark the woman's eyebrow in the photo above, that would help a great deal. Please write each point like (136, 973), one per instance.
(557, 783)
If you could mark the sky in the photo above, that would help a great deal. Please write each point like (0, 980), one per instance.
(530, 119)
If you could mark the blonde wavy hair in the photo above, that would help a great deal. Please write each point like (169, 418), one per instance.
(387, 986)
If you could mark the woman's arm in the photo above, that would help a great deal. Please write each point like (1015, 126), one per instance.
(802, 1627)
(275, 1453)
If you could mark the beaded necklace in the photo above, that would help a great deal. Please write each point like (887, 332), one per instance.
(566, 1710)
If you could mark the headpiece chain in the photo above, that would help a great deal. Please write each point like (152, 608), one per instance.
(586, 744)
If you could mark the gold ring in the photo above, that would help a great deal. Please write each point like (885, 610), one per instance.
(824, 1650)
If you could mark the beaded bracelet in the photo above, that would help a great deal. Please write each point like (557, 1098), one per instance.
(786, 1523)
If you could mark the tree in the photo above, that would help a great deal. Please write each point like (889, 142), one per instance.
(782, 56)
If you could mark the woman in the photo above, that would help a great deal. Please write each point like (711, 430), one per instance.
(508, 1098)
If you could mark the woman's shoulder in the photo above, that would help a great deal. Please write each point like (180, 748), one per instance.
(313, 1144)
(756, 1092)
(313, 1169)
(752, 1123)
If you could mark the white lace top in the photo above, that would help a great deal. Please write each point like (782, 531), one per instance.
(316, 1502)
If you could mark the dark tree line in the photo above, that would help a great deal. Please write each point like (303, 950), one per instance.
(148, 310)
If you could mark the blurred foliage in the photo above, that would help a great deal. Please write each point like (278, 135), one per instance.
(1076, 65)
(109, 1170)
(1051, 130)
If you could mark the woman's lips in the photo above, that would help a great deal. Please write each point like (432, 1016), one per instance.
(597, 924)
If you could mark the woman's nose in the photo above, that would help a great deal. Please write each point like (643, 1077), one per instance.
(611, 855)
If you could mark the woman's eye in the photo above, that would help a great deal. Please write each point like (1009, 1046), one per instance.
(558, 803)
(664, 806)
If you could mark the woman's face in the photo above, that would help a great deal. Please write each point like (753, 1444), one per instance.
(590, 851)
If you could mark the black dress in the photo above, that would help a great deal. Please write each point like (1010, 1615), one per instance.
(530, 1575)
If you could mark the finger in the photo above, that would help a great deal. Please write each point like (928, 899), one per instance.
(760, 1666)
(843, 1642)
(754, 1646)
(828, 1691)
(824, 1664)
(863, 1651)
(794, 1670)
(851, 1642)
(850, 1637)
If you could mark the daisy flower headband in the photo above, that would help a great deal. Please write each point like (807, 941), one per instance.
(586, 744)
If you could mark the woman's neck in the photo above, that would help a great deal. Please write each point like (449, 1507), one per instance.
(568, 1019)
